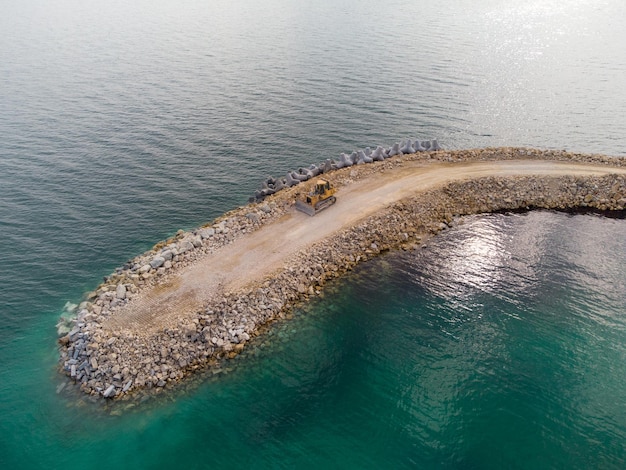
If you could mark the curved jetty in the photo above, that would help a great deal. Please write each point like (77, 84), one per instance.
(198, 298)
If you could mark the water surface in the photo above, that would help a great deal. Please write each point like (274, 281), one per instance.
(122, 122)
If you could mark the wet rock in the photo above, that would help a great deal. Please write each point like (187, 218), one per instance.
(127, 386)
(109, 392)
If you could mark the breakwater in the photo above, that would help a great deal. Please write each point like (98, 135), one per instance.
(109, 360)
(359, 157)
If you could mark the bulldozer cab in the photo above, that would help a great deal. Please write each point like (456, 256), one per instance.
(322, 186)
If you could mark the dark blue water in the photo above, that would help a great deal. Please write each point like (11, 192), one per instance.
(121, 122)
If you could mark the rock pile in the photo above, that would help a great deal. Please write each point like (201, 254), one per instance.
(273, 185)
(112, 363)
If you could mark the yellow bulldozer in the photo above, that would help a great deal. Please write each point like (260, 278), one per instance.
(321, 197)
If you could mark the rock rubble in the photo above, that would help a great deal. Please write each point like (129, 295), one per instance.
(115, 363)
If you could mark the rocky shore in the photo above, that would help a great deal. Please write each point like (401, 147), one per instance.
(113, 362)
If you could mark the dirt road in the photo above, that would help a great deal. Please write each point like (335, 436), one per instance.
(258, 254)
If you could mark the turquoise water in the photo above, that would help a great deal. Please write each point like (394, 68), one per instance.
(500, 344)
(123, 122)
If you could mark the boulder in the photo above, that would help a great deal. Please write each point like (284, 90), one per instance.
(127, 386)
(109, 392)
(120, 292)
(253, 217)
(157, 262)
(206, 232)
(184, 247)
(196, 241)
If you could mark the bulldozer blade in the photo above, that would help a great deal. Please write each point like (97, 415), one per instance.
(303, 207)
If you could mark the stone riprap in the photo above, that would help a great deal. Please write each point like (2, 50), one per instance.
(114, 363)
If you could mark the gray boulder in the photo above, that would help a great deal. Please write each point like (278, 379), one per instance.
(204, 233)
(127, 386)
(253, 217)
(120, 292)
(184, 247)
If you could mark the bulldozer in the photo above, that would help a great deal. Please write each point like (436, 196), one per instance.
(321, 197)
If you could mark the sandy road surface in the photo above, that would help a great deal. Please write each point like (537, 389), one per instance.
(258, 254)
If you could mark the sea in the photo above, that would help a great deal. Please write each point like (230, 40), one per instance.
(500, 343)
